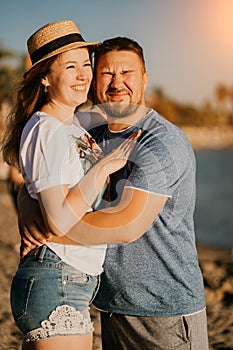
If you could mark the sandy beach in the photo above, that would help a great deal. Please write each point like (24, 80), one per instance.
(217, 267)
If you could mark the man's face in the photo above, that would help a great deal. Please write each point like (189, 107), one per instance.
(120, 83)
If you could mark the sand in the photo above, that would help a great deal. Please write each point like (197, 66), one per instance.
(216, 265)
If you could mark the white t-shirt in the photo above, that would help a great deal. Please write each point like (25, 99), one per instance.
(53, 153)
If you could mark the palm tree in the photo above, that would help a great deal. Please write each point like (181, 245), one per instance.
(231, 102)
(222, 94)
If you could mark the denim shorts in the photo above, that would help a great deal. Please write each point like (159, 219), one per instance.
(50, 297)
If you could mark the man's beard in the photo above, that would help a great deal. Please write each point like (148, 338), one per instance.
(119, 109)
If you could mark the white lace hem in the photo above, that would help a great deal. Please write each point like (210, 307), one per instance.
(65, 320)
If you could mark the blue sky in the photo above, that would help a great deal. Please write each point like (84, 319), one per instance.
(188, 44)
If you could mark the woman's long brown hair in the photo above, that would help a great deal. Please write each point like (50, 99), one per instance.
(30, 97)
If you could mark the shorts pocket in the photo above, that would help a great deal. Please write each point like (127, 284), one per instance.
(185, 328)
(20, 292)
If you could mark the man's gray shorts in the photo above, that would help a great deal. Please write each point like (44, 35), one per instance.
(122, 332)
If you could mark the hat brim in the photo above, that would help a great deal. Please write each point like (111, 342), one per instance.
(72, 46)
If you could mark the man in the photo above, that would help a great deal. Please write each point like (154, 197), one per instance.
(151, 295)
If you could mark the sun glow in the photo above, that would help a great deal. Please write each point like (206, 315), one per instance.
(229, 18)
(224, 15)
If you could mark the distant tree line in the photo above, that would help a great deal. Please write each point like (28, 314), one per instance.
(218, 112)
(211, 113)
(12, 67)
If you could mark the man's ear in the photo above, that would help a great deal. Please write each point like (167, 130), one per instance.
(145, 80)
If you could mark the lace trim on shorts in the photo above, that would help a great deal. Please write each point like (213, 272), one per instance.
(65, 320)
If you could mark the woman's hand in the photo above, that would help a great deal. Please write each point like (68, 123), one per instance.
(30, 222)
(118, 157)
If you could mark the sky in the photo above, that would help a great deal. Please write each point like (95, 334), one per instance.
(188, 44)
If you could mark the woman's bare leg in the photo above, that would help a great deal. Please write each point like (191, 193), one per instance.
(81, 342)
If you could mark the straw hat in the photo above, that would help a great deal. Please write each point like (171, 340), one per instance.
(55, 38)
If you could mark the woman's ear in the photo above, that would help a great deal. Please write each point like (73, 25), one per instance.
(44, 81)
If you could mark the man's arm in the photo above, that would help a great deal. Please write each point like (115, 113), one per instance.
(121, 224)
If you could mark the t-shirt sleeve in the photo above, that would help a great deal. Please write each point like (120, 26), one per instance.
(157, 167)
(50, 165)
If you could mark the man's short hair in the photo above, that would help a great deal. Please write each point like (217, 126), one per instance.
(118, 44)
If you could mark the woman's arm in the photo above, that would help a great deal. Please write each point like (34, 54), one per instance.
(62, 208)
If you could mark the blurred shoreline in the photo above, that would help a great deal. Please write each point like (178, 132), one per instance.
(201, 138)
(211, 138)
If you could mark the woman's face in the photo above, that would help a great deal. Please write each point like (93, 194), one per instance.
(70, 77)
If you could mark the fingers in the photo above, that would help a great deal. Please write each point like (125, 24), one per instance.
(34, 232)
(118, 157)
(131, 139)
(25, 248)
(32, 239)
(135, 135)
(32, 235)
(127, 146)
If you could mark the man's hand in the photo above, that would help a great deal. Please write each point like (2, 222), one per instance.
(30, 222)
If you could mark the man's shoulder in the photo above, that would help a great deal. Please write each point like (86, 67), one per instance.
(155, 122)
(165, 139)
(159, 128)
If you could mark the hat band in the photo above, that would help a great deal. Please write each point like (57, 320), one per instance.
(54, 45)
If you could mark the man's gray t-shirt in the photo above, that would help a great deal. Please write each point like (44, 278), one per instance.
(159, 274)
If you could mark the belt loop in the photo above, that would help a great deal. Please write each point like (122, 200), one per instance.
(42, 253)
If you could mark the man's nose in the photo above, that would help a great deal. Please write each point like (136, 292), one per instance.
(116, 80)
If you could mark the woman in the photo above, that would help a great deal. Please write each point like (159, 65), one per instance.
(54, 285)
